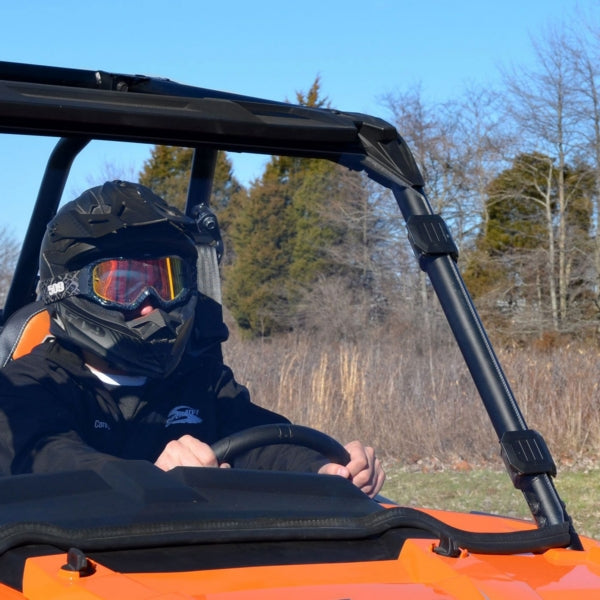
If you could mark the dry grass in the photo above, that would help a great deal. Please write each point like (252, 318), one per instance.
(415, 402)
(558, 393)
(413, 399)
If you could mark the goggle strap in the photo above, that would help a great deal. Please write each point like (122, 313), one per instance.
(60, 287)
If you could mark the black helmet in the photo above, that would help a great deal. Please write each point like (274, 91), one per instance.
(119, 220)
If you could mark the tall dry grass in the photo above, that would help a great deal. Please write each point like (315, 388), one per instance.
(558, 393)
(413, 399)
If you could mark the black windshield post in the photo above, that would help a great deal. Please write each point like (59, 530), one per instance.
(22, 288)
(437, 255)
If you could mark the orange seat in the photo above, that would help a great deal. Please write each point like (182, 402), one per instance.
(25, 329)
(35, 332)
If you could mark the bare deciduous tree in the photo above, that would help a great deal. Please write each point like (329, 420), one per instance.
(9, 252)
(584, 48)
(543, 104)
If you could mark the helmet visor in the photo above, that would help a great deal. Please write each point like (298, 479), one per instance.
(125, 282)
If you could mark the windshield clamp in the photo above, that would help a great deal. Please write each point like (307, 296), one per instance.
(429, 236)
(525, 453)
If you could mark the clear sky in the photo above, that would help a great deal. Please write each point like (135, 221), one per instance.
(266, 48)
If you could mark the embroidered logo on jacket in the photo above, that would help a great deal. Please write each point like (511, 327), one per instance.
(183, 414)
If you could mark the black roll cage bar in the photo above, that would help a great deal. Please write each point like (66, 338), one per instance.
(80, 105)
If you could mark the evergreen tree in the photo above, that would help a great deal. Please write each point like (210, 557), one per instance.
(167, 173)
(308, 217)
(514, 244)
(297, 219)
(314, 233)
(515, 260)
(225, 184)
(264, 231)
(296, 226)
(254, 287)
(518, 200)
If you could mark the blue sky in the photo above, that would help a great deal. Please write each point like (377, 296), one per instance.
(361, 50)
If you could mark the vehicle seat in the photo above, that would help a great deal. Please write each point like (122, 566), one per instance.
(24, 329)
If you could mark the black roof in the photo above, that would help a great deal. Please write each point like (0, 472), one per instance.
(95, 104)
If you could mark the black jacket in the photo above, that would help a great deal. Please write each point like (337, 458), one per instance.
(56, 415)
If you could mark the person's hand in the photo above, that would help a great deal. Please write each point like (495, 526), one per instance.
(187, 451)
(364, 469)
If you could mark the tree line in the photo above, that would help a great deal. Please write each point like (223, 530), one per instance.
(305, 232)
(514, 171)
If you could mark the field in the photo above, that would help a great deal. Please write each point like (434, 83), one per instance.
(414, 401)
(490, 491)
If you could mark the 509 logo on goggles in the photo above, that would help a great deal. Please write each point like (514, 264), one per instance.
(54, 289)
(125, 283)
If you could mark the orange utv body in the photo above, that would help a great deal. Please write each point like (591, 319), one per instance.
(417, 573)
(128, 530)
(215, 533)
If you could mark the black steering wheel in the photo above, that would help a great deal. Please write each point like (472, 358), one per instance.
(230, 447)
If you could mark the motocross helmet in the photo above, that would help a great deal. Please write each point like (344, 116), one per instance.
(104, 254)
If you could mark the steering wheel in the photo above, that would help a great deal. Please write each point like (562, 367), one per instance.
(232, 446)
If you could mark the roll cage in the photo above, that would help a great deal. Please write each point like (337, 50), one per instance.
(80, 105)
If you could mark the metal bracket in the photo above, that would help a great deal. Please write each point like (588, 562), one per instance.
(429, 236)
(525, 453)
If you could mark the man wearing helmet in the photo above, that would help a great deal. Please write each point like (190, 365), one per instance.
(133, 369)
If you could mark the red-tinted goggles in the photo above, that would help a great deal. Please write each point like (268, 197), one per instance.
(126, 282)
